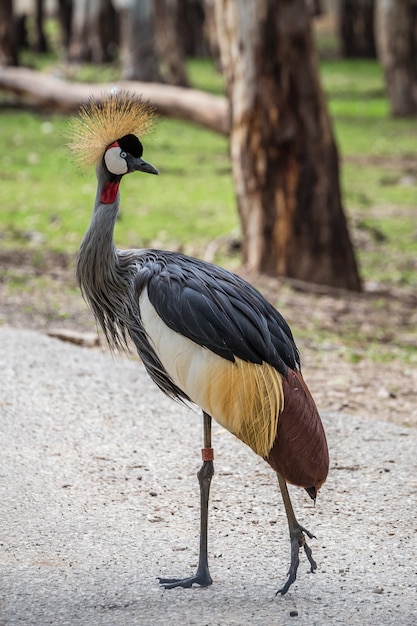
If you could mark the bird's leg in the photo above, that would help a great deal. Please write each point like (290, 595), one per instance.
(202, 576)
(297, 538)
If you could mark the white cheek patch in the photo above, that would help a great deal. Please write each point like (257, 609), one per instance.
(114, 162)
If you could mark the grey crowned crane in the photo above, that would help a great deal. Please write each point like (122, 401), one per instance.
(204, 334)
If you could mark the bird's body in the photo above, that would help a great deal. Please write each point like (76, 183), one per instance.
(206, 336)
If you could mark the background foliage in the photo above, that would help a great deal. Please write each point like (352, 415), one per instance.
(47, 202)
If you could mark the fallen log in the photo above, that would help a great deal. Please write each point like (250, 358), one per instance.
(46, 90)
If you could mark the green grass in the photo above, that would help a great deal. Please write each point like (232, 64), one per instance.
(379, 170)
(202, 76)
(357, 102)
(46, 201)
(46, 198)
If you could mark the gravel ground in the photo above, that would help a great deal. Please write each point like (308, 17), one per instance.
(99, 497)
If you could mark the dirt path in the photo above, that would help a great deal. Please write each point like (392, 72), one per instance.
(99, 497)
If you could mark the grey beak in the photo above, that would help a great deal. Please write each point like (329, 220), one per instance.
(140, 165)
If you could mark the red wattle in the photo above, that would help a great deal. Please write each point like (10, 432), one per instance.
(109, 192)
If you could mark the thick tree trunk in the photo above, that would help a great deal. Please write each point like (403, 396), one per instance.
(91, 32)
(356, 25)
(169, 44)
(108, 33)
(284, 158)
(8, 43)
(41, 43)
(397, 52)
(21, 32)
(137, 41)
(65, 19)
(192, 29)
(315, 7)
(210, 31)
(79, 49)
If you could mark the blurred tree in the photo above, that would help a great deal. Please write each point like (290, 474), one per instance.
(169, 42)
(22, 35)
(92, 38)
(8, 42)
(41, 43)
(210, 32)
(284, 157)
(397, 51)
(65, 19)
(192, 31)
(356, 26)
(137, 40)
(79, 48)
(108, 31)
(315, 7)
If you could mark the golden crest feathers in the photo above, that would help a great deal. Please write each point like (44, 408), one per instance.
(104, 120)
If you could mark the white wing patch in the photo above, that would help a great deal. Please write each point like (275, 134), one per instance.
(245, 398)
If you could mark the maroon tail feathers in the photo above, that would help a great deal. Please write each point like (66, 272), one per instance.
(300, 452)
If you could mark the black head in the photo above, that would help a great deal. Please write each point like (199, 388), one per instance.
(125, 156)
(132, 145)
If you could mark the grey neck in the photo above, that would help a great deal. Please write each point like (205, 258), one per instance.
(103, 276)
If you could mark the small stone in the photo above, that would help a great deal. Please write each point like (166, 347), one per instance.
(293, 613)
(385, 393)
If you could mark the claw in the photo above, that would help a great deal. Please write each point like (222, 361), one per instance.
(201, 578)
(298, 541)
(307, 532)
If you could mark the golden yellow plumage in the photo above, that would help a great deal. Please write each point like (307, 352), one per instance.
(104, 120)
(245, 398)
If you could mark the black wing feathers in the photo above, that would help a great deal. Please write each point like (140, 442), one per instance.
(217, 310)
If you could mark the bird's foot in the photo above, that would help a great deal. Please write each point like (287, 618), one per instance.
(298, 541)
(202, 578)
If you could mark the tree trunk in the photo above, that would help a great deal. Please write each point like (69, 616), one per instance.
(137, 42)
(65, 20)
(89, 29)
(108, 33)
(315, 8)
(8, 43)
(356, 25)
(210, 31)
(21, 32)
(396, 41)
(191, 29)
(284, 158)
(79, 49)
(41, 43)
(169, 44)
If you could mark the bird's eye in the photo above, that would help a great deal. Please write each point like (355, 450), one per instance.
(123, 154)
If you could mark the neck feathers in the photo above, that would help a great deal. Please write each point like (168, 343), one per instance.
(104, 275)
